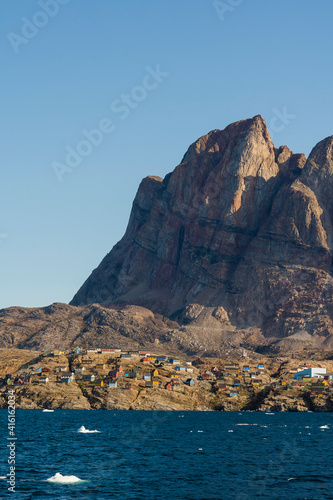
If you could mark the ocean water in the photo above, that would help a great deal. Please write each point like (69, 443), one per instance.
(169, 455)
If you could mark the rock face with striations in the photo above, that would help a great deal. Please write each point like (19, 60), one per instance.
(240, 229)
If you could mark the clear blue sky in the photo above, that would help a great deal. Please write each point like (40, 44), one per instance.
(61, 78)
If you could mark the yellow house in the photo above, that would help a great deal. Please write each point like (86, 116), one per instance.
(102, 383)
(100, 366)
(155, 373)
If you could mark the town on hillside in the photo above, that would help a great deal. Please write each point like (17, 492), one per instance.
(116, 369)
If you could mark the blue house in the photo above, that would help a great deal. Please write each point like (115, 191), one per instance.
(237, 383)
(174, 361)
(246, 368)
(146, 376)
(261, 367)
(189, 381)
(66, 380)
(180, 368)
(113, 384)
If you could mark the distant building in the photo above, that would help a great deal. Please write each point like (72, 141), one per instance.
(190, 382)
(310, 373)
(65, 379)
(43, 380)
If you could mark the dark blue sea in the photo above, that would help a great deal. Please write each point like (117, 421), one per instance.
(169, 455)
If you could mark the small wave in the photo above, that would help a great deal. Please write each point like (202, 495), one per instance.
(247, 424)
(200, 431)
(59, 478)
(48, 411)
(324, 427)
(269, 413)
(83, 430)
(230, 431)
(291, 478)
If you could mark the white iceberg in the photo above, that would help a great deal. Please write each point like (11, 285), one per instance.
(59, 478)
(83, 430)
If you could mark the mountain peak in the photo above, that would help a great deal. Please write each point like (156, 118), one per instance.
(239, 226)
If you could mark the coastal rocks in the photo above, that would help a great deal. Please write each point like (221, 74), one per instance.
(52, 396)
(239, 233)
(280, 402)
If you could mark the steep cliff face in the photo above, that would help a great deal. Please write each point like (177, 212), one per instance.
(239, 227)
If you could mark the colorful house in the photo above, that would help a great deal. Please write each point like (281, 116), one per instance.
(113, 384)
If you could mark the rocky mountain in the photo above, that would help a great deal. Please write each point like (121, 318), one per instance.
(239, 234)
(231, 250)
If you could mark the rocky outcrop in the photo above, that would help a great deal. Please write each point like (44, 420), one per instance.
(239, 234)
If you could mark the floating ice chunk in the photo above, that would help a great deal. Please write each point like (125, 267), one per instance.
(83, 430)
(324, 427)
(200, 431)
(48, 411)
(230, 431)
(3, 477)
(59, 478)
